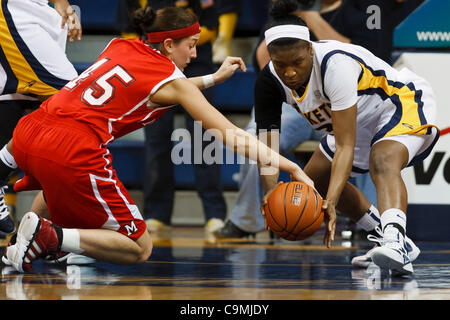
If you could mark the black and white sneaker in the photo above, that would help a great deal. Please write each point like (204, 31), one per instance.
(392, 254)
(364, 260)
(68, 258)
(7, 225)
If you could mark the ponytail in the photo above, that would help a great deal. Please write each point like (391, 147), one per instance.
(147, 20)
(281, 9)
(142, 19)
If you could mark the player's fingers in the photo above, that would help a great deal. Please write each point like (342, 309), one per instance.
(331, 228)
(242, 65)
(238, 62)
(332, 232)
(263, 213)
(325, 239)
(65, 17)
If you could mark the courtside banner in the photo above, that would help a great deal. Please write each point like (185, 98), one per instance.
(427, 27)
(429, 182)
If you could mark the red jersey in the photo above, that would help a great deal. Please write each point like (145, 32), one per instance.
(112, 95)
(65, 159)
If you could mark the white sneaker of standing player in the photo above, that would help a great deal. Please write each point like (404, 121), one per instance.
(392, 254)
(7, 225)
(364, 260)
(69, 258)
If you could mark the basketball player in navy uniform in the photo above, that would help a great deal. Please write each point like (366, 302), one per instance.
(375, 119)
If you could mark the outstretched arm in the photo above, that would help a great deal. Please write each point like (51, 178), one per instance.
(182, 91)
(344, 127)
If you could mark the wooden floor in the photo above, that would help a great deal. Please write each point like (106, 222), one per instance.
(187, 265)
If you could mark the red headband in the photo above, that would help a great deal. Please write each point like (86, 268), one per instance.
(157, 37)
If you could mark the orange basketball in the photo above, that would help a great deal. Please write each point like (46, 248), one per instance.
(294, 211)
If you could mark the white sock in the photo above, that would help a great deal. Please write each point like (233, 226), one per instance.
(370, 220)
(394, 216)
(71, 241)
(7, 158)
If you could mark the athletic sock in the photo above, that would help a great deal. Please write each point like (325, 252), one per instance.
(7, 164)
(370, 220)
(71, 241)
(395, 217)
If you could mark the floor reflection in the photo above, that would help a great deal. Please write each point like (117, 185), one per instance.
(190, 266)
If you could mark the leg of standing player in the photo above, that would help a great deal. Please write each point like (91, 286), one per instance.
(387, 159)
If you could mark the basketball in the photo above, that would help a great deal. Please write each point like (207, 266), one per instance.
(294, 211)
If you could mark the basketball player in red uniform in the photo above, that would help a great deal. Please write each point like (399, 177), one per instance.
(131, 85)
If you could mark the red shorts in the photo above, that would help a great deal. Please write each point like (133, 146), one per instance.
(64, 158)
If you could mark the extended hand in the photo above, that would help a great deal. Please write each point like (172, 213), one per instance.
(329, 208)
(264, 203)
(300, 175)
(70, 17)
(227, 69)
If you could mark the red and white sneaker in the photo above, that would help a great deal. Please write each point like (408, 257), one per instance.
(36, 238)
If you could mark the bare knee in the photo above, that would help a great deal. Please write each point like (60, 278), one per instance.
(145, 248)
(387, 158)
(383, 165)
(379, 163)
(146, 253)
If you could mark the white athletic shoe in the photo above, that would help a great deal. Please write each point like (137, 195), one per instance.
(154, 225)
(69, 258)
(213, 225)
(392, 254)
(364, 260)
(7, 225)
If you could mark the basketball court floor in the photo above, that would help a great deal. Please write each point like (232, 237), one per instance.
(187, 265)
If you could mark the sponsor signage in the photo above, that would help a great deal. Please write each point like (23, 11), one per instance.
(428, 27)
(429, 181)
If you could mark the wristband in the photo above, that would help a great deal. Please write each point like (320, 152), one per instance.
(208, 81)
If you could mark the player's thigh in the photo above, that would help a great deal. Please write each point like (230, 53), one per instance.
(83, 200)
(393, 154)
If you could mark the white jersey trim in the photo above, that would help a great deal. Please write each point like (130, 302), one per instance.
(177, 74)
(112, 223)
